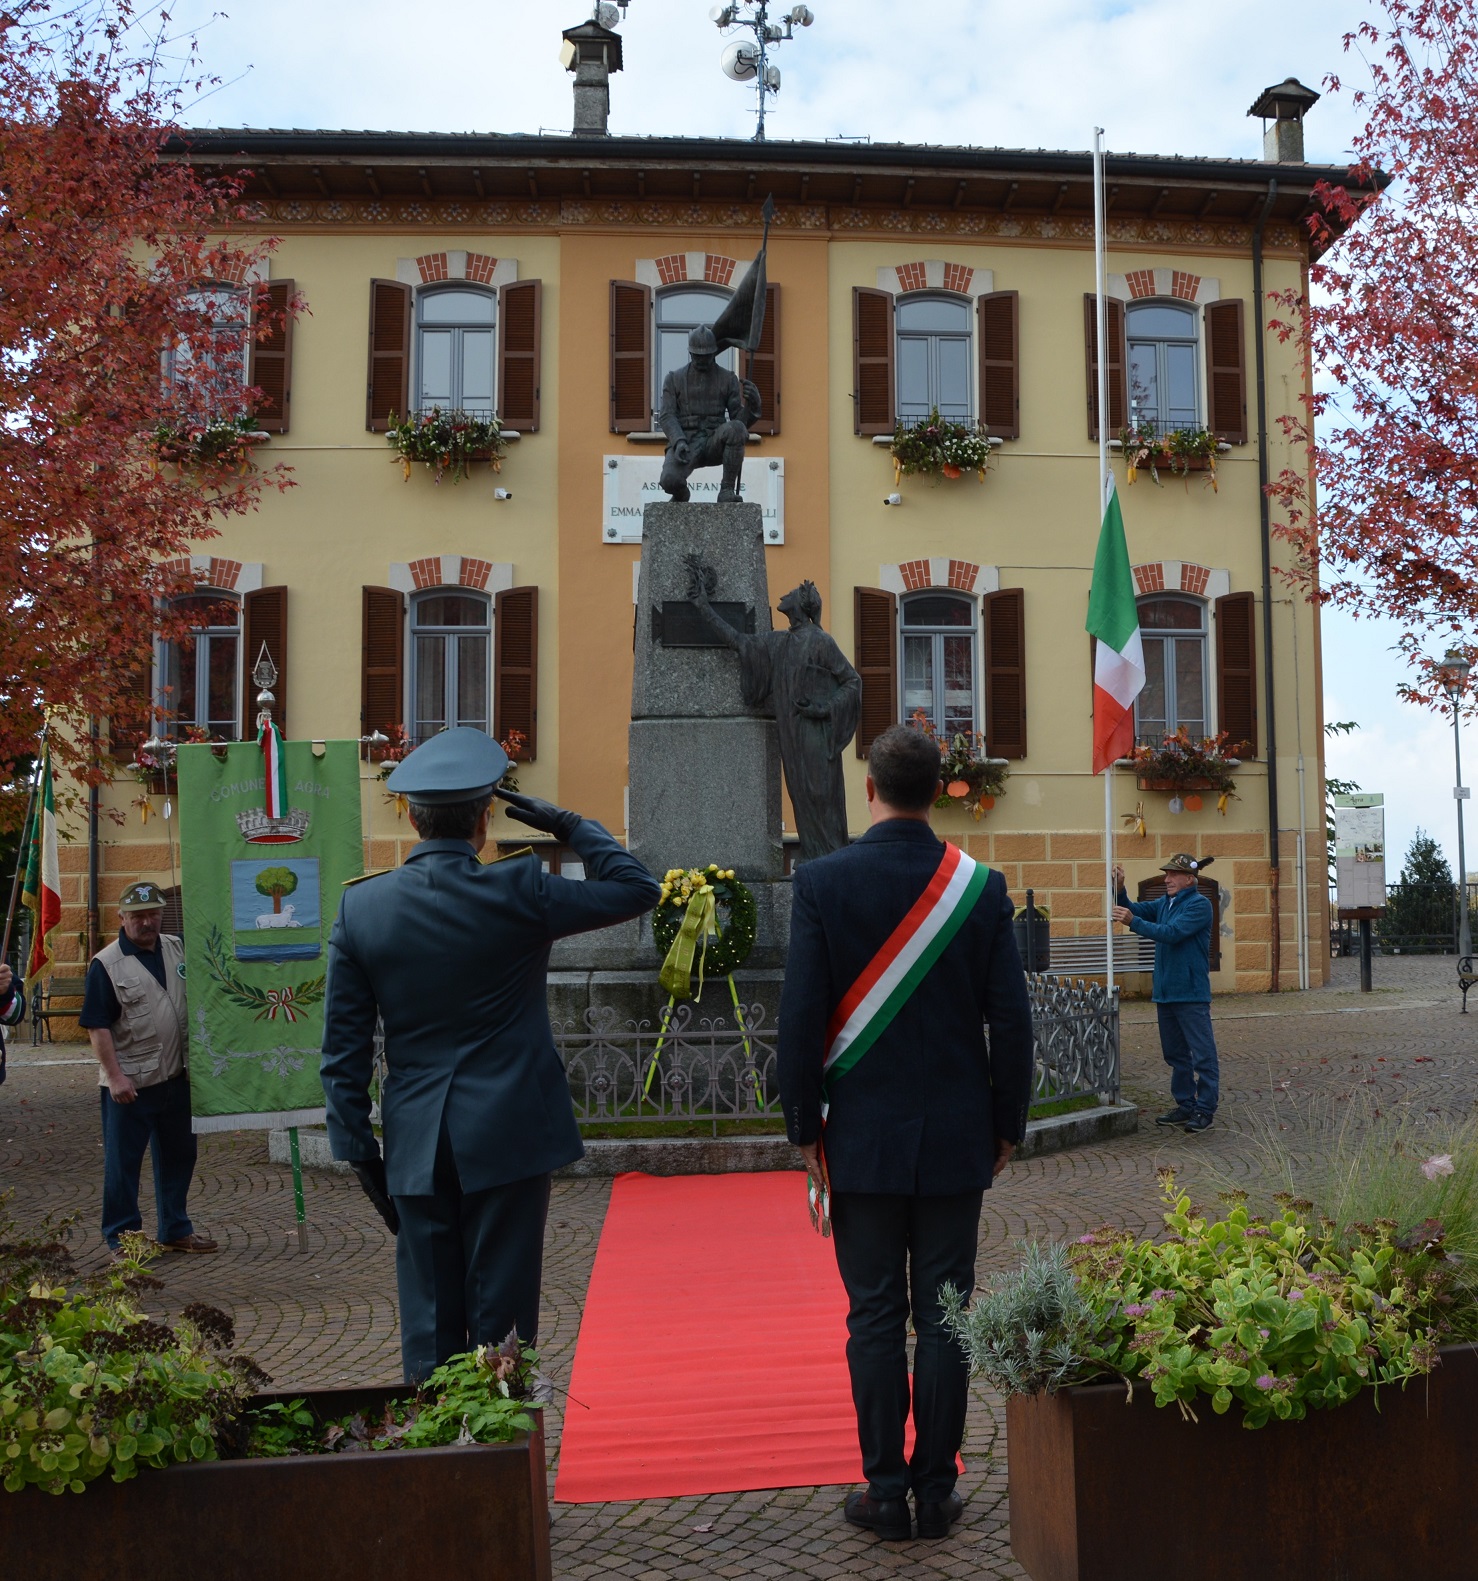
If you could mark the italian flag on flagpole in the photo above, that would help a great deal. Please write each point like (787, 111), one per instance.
(1113, 618)
(42, 894)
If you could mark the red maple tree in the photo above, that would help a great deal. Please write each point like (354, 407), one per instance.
(113, 361)
(1391, 326)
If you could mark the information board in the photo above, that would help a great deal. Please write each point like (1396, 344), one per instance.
(1360, 850)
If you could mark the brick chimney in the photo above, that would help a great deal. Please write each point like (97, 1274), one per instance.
(1282, 109)
(592, 52)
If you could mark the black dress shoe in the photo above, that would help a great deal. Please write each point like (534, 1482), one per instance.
(937, 1516)
(1177, 1116)
(886, 1518)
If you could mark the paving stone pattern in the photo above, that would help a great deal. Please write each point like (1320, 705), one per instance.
(328, 1317)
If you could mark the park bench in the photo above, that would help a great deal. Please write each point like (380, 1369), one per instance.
(1087, 955)
(45, 1004)
(1466, 977)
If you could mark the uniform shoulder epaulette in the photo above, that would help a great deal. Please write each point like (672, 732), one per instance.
(378, 872)
(507, 856)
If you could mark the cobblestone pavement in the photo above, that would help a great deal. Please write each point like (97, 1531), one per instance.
(329, 1316)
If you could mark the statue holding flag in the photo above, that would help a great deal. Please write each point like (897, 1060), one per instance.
(707, 411)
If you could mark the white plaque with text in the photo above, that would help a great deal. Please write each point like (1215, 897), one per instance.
(630, 484)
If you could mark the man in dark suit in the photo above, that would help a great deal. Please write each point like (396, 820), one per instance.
(476, 1112)
(901, 951)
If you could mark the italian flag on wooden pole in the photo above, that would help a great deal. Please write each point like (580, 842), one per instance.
(1118, 658)
(42, 893)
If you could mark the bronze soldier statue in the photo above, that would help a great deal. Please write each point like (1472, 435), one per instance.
(815, 695)
(706, 414)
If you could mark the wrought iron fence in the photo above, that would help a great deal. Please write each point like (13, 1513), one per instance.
(1420, 919)
(706, 1069)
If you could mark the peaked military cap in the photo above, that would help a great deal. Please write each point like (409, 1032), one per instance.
(460, 764)
(1182, 862)
(141, 897)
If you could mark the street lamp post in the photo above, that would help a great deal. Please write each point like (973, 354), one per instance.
(1453, 673)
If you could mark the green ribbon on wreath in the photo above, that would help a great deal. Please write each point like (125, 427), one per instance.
(700, 920)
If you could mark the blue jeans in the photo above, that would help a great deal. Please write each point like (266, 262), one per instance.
(159, 1118)
(1189, 1047)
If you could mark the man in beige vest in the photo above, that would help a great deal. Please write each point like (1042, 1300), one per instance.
(134, 1011)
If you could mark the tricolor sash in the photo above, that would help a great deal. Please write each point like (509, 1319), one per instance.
(890, 979)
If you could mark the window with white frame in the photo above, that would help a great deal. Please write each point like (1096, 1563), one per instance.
(1173, 631)
(227, 361)
(933, 334)
(454, 349)
(196, 679)
(679, 312)
(1163, 382)
(939, 644)
(451, 646)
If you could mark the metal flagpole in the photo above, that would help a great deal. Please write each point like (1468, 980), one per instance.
(1100, 267)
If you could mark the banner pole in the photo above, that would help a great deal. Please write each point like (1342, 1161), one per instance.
(22, 852)
(1100, 271)
(292, 1142)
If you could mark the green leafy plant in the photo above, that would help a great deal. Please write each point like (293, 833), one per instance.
(446, 441)
(484, 1396)
(1181, 450)
(1280, 1316)
(940, 448)
(89, 1384)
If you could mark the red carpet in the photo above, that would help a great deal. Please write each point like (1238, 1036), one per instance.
(711, 1354)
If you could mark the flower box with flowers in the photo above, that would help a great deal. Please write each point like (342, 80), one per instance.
(1183, 765)
(1182, 451)
(219, 444)
(937, 447)
(446, 441)
(972, 780)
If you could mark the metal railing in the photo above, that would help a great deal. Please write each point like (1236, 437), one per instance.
(706, 1069)
(1420, 919)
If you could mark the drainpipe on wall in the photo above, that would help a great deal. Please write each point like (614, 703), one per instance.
(93, 920)
(1269, 708)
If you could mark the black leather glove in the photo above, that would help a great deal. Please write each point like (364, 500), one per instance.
(541, 815)
(371, 1172)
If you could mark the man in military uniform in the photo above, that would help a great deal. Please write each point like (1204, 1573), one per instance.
(452, 956)
(706, 414)
(133, 1010)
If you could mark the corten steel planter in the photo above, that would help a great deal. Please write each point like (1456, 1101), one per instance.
(1102, 1490)
(478, 1513)
(1199, 783)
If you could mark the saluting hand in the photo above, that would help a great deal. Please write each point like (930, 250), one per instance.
(541, 815)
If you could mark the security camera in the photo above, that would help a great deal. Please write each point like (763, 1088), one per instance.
(502, 494)
(892, 499)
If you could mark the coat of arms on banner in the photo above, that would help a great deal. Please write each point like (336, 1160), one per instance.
(277, 910)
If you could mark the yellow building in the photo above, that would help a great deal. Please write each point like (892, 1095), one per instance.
(553, 279)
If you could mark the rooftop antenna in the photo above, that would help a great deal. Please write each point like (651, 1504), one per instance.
(748, 59)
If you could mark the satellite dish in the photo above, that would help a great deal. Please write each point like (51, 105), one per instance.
(607, 16)
(740, 60)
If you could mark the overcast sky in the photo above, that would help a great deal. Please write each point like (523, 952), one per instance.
(1161, 76)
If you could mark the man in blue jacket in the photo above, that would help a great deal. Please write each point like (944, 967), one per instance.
(452, 955)
(1180, 925)
(901, 952)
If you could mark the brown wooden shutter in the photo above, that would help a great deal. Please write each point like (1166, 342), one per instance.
(520, 320)
(263, 620)
(516, 668)
(1003, 615)
(764, 365)
(132, 720)
(382, 662)
(272, 363)
(389, 386)
(631, 357)
(1226, 370)
(875, 655)
(1154, 889)
(998, 348)
(1236, 671)
(872, 361)
(1118, 365)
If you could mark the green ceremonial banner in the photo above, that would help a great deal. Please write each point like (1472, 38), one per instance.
(260, 896)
